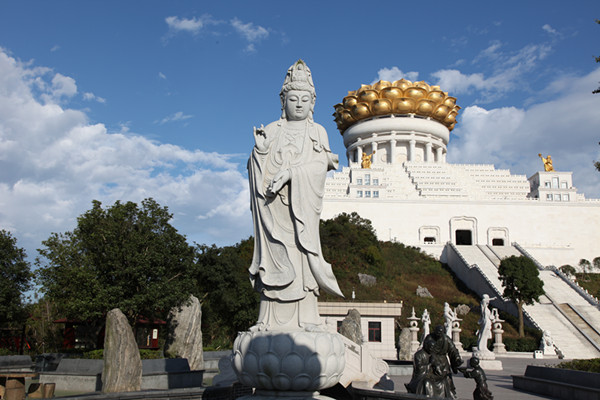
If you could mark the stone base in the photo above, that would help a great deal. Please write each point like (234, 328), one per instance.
(491, 365)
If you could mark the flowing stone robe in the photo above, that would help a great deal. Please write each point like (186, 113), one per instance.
(288, 263)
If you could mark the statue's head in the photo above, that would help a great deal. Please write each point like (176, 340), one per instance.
(429, 344)
(298, 87)
(439, 332)
(474, 362)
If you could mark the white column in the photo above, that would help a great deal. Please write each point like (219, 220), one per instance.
(359, 153)
(411, 155)
(373, 150)
(392, 151)
(428, 153)
(438, 157)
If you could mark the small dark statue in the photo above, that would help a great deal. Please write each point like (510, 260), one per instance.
(433, 366)
(481, 391)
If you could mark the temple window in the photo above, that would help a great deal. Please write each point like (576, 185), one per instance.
(429, 240)
(374, 331)
(563, 185)
(547, 184)
(555, 182)
(375, 181)
(565, 197)
(359, 193)
(367, 179)
(367, 193)
(376, 193)
(359, 181)
(549, 197)
(557, 197)
(497, 242)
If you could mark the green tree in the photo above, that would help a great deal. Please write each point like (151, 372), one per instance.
(596, 263)
(585, 265)
(229, 303)
(123, 256)
(520, 278)
(568, 269)
(15, 280)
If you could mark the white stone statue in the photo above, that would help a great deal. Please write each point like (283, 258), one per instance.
(449, 317)
(485, 324)
(426, 321)
(289, 352)
(287, 172)
(547, 344)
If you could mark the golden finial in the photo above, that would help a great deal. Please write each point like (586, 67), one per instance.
(547, 162)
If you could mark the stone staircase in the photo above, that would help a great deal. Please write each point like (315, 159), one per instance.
(574, 323)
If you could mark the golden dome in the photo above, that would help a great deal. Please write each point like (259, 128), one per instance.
(398, 97)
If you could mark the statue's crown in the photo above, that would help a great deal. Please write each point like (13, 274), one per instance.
(298, 77)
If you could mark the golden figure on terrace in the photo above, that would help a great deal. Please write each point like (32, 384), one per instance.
(366, 160)
(547, 162)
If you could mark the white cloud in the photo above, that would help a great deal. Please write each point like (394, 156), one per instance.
(55, 48)
(191, 25)
(564, 126)
(549, 29)
(162, 76)
(178, 116)
(54, 162)
(394, 74)
(250, 32)
(91, 97)
(63, 86)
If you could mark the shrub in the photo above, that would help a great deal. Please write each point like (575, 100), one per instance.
(525, 344)
(592, 365)
(145, 354)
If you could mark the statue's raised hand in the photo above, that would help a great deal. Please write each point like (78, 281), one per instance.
(260, 138)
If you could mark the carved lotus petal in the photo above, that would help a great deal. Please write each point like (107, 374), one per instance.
(425, 107)
(382, 106)
(416, 93)
(404, 105)
(402, 84)
(423, 85)
(349, 101)
(360, 111)
(440, 112)
(367, 96)
(391, 93)
(450, 101)
(436, 95)
(381, 85)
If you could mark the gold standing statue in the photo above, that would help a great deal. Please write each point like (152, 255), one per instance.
(366, 160)
(547, 162)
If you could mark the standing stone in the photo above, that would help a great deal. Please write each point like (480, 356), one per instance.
(122, 363)
(351, 327)
(185, 334)
(404, 345)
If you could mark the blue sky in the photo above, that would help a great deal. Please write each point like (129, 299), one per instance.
(126, 100)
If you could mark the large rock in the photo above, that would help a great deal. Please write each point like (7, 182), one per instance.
(351, 327)
(367, 280)
(122, 370)
(185, 334)
(423, 292)
(404, 345)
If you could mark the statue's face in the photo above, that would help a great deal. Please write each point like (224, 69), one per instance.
(297, 105)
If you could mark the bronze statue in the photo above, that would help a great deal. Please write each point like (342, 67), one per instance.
(481, 391)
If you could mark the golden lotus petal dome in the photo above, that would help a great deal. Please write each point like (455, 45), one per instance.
(402, 84)
(382, 106)
(361, 111)
(404, 105)
(399, 97)
(350, 101)
(381, 85)
(367, 95)
(391, 93)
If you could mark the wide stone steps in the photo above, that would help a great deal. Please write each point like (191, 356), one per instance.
(585, 327)
(566, 337)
